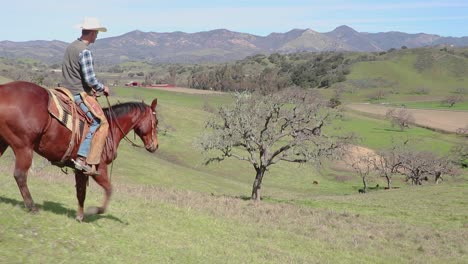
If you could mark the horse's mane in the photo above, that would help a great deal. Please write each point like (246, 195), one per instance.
(124, 108)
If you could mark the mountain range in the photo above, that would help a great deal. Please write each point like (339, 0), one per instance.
(222, 45)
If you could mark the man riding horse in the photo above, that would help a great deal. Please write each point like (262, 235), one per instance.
(79, 77)
(29, 123)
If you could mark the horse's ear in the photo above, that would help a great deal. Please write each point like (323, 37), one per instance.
(154, 103)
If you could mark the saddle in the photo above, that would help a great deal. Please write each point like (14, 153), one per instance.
(62, 107)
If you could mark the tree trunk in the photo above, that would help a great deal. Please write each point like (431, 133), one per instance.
(438, 177)
(256, 188)
(389, 182)
(364, 181)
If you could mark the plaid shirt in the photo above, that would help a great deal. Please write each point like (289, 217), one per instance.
(86, 62)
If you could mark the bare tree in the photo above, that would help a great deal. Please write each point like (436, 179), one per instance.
(451, 100)
(461, 90)
(363, 165)
(377, 95)
(387, 164)
(459, 154)
(400, 117)
(442, 166)
(266, 129)
(463, 130)
(419, 166)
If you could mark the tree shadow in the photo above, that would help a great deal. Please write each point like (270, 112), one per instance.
(59, 209)
(244, 197)
(249, 198)
(396, 130)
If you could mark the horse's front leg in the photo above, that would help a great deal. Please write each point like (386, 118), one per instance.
(22, 165)
(103, 180)
(81, 182)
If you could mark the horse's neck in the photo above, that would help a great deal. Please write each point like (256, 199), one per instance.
(119, 127)
(122, 127)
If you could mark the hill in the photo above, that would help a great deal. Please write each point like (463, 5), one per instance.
(168, 207)
(427, 74)
(424, 74)
(222, 45)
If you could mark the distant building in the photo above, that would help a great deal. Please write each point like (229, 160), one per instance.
(133, 83)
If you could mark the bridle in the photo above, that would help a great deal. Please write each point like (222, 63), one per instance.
(114, 117)
(153, 127)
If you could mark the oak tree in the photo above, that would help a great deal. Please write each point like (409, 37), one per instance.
(266, 129)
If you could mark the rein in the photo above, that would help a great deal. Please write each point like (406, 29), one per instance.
(113, 116)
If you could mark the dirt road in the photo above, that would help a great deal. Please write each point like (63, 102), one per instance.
(186, 90)
(442, 120)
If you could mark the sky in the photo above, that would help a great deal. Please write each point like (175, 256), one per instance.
(24, 20)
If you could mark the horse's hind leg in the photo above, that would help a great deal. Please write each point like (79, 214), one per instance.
(23, 163)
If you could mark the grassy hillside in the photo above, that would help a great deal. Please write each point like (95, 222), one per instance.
(169, 208)
(427, 74)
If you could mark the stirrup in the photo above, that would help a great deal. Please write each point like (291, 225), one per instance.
(91, 171)
(87, 169)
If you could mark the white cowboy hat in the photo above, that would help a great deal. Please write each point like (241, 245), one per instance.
(92, 23)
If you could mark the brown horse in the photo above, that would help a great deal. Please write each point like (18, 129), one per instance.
(27, 126)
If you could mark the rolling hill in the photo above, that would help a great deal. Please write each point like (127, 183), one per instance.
(424, 74)
(168, 207)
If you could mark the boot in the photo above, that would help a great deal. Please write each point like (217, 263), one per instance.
(81, 165)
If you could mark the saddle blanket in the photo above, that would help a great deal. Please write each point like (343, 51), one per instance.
(60, 106)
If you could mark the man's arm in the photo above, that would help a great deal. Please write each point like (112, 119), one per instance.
(87, 69)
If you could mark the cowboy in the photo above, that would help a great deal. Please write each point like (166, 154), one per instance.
(79, 77)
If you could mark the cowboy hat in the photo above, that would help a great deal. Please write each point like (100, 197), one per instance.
(92, 23)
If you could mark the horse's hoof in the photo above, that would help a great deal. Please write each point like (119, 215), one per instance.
(79, 218)
(93, 210)
(34, 210)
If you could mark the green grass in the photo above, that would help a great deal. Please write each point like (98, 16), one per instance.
(152, 224)
(168, 207)
(167, 98)
(379, 134)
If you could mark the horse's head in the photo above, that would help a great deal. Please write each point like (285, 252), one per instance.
(147, 129)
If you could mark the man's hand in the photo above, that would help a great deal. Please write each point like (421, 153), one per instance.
(106, 91)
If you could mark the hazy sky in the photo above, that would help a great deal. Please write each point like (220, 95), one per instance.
(23, 20)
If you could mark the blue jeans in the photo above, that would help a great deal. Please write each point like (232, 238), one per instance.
(86, 144)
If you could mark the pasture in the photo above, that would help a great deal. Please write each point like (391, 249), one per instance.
(408, 76)
(168, 207)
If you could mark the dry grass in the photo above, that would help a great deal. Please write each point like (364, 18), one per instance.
(338, 229)
(354, 155)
